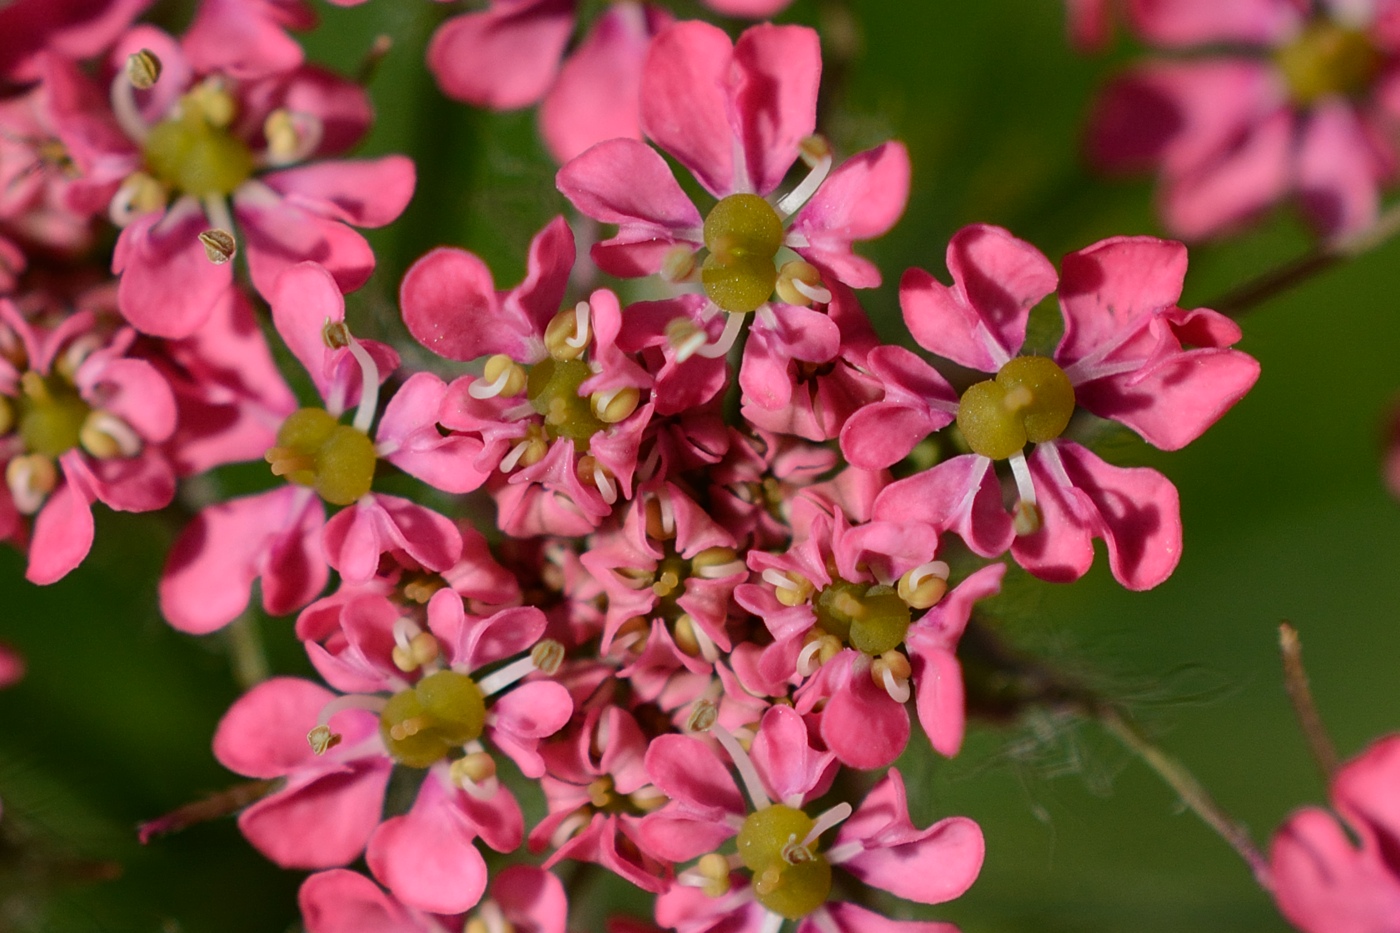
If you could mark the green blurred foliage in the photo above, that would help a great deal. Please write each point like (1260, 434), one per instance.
(1284, 512)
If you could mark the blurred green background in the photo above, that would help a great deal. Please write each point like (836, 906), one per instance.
(1284, 512)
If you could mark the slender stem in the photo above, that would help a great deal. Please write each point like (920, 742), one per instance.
(369, 64)
(246, 653)
(1191, 791)
(1238, 301)
(216, 805)
(1295, 680)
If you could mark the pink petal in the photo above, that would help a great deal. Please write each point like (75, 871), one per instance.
(306, 297)
(1364, 792)
(449, 306)
(861, 200)
(360, 192)
(531, 898)
(409, 426)
(340, 901)
(596, 96)
(1339, 174)
(538, 298)
(1324, 884)
(319, 819)
(852, 918)
(504, 57)
(1185, 23)
(1230, 190)
(280, 235)
(939, 694)
(134, 391)
(980, 321)
(783, 754)
(246, 38)
(686, 103)
(63, 534)
(168, 285)
(263, 735)
(428, 858)
(917, 402)
(861, 723)
(685, 770)
(1109, 287)
(72, 28)
(779, 70)
(355, 537)
(960, 495)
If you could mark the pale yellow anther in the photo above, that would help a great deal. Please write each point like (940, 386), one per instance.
(564, 338)
(476, 768)
(685, 337)
(403, 659)
(537, 446)
(143, 69)
(714, 868)
(829, 646)
(284, 142)
(713, 557)
(322, 739)
(1025, 518)
(926, 593)
(614, 405)
(593, 472)
(600, 792)
(547, 656)
(813, 149)
(686, 640)
(702, 716)
(514, 374)
(106, 436)
(1017, 398)
(800, 590)
(893, 661)
(678, 265)
(424, 648)
(335, 334)
(767, 881)
(476, 925)
(31, 477)
(421, 589)
(659, 526)
(797, 271)
(219, 245)
(647, 799)
(140, 193)
(213, 102)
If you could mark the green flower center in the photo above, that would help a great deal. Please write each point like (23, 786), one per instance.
(552, 389)
(314, 449)
(1328, 58)
(871, 618)
(443, 711)
(51, 414)
(743, 234)
(194, 152)
(1030, 400)
(789, 878)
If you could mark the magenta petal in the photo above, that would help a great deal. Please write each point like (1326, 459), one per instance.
(852, 918)
(450, 306)
(246, 39)
(686, 105)
(168, 285)
(960, 495)
(597, 94)
(1229, 190)
(1324, 884)
(280, 234)
(861, 723)
(531, 898)
(783, 754)
(340, 901)
(980, 321)
(939, 694)
(306, 298)
(409, 427)
(928, 866)
(1363, 791)
(63, 534)
(134, 391)
(210, 572)
(1112, 285)
(685, 770)
(860, 201)
(263, 735)
(355, 537)
(428, 858)
(320, 819)
(779, 69)
(362, 192)
(1186, 23)
(1338, 172)
(504, 57)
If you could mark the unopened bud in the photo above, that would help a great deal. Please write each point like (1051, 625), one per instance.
(219, 245)
(143, 69)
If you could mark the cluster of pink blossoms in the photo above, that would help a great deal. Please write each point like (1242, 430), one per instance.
(700, 626)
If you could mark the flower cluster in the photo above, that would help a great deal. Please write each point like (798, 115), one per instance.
(736, 536)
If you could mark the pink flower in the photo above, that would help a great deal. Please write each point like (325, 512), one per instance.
(72, 28)
(1128, 353)
(737, 116)
(1322, 880)
(83, 422)
(247, 183)
(11, 667)
(1307, 106)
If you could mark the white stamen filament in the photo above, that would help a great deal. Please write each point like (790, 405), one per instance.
(369, 387)
(580, 338)
(123, 96)
(817, 293)
(792, 202)
(776, 578)
(772, 922)
(1025, 488)
(516, 452)
(490, 914)
(716, 571)
(690, 346)
(846, 850)
(216, 209)
(404, 631)
(483, 791)
(934, 568)
(732, 325)
(833, 817)
(498, 680)
(565, 830)
(668, 514)
(605, 485)
(744, 764)
(127, 440)
(896, 687)
(708, 649)
(374, 704)
(31, 479)
(481, 389)
(807, 663)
